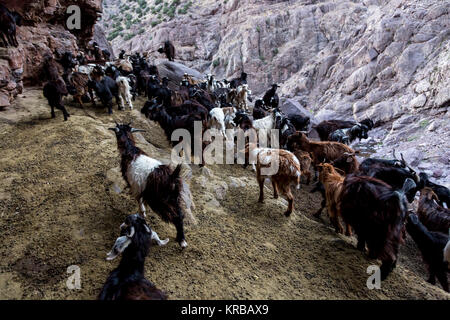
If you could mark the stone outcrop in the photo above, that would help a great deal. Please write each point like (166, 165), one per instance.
(43, 32)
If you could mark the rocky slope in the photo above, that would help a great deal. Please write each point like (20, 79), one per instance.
(388, 60)
(43, 32)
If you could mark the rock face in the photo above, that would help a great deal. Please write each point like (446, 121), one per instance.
(388, 60)
(43, 32)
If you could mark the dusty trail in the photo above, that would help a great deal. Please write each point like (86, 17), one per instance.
(59, 206)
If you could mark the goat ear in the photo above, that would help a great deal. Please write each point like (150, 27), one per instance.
(119, 246)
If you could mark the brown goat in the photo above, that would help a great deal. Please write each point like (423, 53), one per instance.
(320, 151)
(433, 216)
(347, 163)
(332, 182)
(288, 172)
(305, 163)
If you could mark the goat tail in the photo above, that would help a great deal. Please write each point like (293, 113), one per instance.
(299, 178)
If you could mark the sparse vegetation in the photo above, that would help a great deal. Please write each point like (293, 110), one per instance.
(275, 51)
(216, 63)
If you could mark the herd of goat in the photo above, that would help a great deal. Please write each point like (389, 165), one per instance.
(369, 198)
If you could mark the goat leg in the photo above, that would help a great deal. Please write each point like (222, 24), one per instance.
(261, 190)
(52, 111)
(160, 242)
(178, 222)
(386, 268)
(275, 190)
(290, 201)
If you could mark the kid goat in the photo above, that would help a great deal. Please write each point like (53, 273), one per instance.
(150, 181)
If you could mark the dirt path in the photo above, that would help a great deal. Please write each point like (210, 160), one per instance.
(60, 206)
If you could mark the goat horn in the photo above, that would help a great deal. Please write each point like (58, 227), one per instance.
(393, 154)
(131, 233)
(137, 130)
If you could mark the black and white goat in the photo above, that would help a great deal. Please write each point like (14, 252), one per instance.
(127, 281)
(151, 182)
(349, 135)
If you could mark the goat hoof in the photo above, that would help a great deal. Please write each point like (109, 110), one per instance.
(287, 213)
(275, 196)
(183, 244)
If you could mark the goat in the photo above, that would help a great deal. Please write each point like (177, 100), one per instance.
(8, 24)
(54, 90)
(320, 151)
(51, 69)
(432, 215)
(431, 245)
(124, 91)
(305, 164)
(288, 172)
(168, 49)
(127, 281)
(393, 172)
(217, 120)
(286, 130)
(259, 111)
(333, 183)
(268, 122)
(105, 88)
(325, 128)
(236, 82)
(271, 98)
(151, 182)
(242, 93)
(347, 136)
(443, 193)
(300, 123)
(78, 85)
(243, 121)
(347, 163)
(377, 214)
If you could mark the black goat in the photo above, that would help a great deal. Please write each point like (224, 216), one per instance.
(347, 136)
(259, 111)
(431, 244)
(236, 82)
(168, 49)
(105, 88)
(300, 123)
(393, 172)
(127, 281)
(54, 90)
(8, 23)
(271, 98)
(377, 213)
(443, 193)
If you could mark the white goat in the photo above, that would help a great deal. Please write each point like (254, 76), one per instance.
(268, 122)
(217, 120)
(124, 91)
